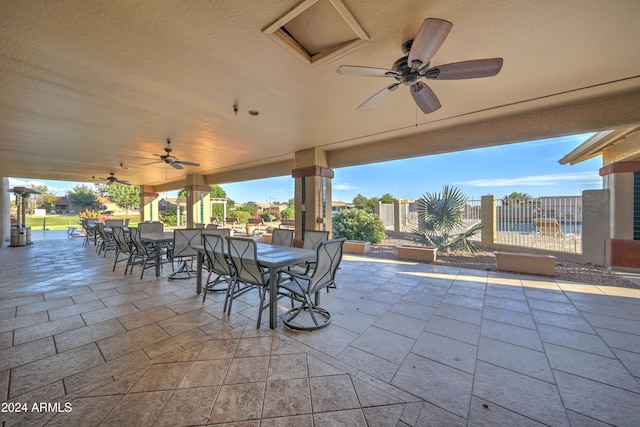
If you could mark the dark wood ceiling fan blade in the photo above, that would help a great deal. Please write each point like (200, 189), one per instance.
(425, 98)
(431, 35)
(471, 69)
(176, 165)
(182, 162)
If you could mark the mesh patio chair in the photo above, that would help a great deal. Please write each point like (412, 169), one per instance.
(218, 264)
(183, 252)
(282, 237)
(300, 287)
(312, 239)
(89, 227)
(106, 242)
(112, 222)
(123, 247)
(211, 226)
(249, 274)
(151, 227)
(144, 255)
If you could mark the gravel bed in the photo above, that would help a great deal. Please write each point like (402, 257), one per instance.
(485, 260)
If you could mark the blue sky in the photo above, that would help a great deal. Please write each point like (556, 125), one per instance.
(528, 167)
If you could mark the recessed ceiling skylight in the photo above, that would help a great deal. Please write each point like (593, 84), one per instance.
(316, 30)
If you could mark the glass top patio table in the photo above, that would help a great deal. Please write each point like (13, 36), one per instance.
(274, 258)
(158, 239)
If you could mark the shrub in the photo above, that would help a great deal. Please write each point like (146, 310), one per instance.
(243, 216)
(356, 224)
(270, 215)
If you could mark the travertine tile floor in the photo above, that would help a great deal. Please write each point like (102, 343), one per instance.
(410, 345)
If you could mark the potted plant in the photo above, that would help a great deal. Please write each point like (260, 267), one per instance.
(441, 226)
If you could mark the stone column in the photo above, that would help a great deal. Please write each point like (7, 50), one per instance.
(5, 214)
(148, 205)
(312, 192)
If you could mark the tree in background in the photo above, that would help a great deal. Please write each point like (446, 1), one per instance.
(125, 196)
(369, 204)
(289, 212)
(83, 196)
(515, 197)
(45, 198)
(217, 209)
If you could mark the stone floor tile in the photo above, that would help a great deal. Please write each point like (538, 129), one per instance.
(204, 373)
(576, 323)
(352, 418)
(183, 322)
(162, 376)
(26, 353)
(606, 370)
(401, 324)
(53, 368)
(527, 396)
(444, 386)
(247, 369)
(77, 308)
(450, 352)
(44, 305)
(488, 414)
(88, 334)
(285, 398)
(386, 345)
(413, 309)
(370, 395)
(139, 409)
(524, 337)
(431, 415)
(287, 366)
(188, 407)
(574, 339)
(463, 314)
(294, 421)
(23, 321)
(596, 400)
(145, 317)
(48, 329)
(455, 329)
(89, 411)
(369, 363)
(325, 389)
(351, 320)
(515, 358)
(517, 318)
(238, 402)
(120, 344)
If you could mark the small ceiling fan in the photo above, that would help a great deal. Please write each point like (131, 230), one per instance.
(170, 159)
(111, 179)
(409, 69)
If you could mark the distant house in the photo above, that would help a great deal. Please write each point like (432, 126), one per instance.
(337, 206)
(272, 206)
(167, 203)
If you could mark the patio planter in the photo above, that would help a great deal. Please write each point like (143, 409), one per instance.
(417, 253)
(356, 247)
(266, 238)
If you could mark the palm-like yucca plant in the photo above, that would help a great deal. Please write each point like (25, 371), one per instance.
(441, 221)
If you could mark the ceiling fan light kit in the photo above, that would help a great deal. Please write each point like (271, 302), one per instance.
(414, 66)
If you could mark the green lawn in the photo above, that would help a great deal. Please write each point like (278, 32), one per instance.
(61, 222)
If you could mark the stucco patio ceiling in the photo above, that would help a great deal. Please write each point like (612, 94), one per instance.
(86, 84)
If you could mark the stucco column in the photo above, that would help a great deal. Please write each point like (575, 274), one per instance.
(312, 192)
(148, 205)
(623, 248)
(5, 211)
(489, 228)
(198, 201)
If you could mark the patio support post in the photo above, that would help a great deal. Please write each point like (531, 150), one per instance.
(148, 205)
(198, 201)
(5, 210)
(488, 219)
(312, 191)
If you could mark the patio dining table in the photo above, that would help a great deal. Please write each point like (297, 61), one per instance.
(158, 240)
(274, 258)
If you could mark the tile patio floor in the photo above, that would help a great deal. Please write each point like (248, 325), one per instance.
(410, 345)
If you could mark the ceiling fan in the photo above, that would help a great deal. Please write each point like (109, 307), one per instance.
(111, 179)
(409, 69)
(170, 159)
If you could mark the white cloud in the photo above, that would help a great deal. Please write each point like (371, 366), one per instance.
(536, 180)
(343, 187)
